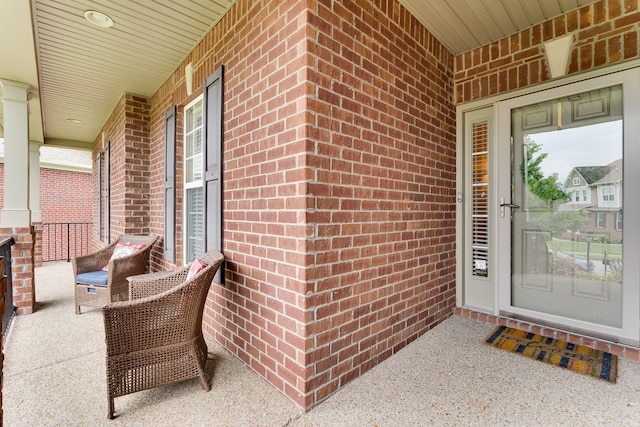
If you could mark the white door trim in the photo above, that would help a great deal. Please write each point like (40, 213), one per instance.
(629, 333)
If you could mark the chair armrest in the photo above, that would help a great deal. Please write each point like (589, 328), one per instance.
(144, 285)
(144, 323)
(92, 262)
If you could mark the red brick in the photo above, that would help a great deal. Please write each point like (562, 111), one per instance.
(346, 141)
(607, 33)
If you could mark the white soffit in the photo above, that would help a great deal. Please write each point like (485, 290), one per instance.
(463, 25)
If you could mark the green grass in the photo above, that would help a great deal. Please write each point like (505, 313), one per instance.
(596, 251)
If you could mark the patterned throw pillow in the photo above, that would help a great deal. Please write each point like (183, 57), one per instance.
(121, 250)
(195, 268)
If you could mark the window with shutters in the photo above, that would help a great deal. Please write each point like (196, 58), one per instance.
(194, 196)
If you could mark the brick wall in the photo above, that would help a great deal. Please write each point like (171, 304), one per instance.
(65, 196)
(259, 315)
(339, 173)
(605, 33)
(380, 202)
(339, 141)
(127, 129)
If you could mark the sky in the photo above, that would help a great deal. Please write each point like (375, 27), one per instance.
(594, 145)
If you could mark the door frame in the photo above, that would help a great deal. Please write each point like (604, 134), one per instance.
(501, 282)
(629, 331)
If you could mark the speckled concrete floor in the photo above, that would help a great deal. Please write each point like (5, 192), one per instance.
(54, 376)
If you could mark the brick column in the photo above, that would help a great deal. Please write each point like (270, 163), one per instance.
(22, 268)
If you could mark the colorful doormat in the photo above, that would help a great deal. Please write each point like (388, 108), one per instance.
(578, 358)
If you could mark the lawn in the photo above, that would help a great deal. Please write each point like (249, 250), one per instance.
(596, 249)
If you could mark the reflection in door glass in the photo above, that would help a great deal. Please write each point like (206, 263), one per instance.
(567, 232)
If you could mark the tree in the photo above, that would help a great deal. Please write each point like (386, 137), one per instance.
(547, 188)
(545, 194)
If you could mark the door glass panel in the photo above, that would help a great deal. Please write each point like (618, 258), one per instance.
(566, 213)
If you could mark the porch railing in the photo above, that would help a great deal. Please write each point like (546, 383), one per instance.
(9, 309)
(62, 241)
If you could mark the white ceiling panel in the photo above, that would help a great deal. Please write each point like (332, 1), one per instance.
(82, 70)
(462, 25)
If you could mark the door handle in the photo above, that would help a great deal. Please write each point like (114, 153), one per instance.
(503, 205)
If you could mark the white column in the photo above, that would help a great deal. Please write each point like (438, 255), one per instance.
(34, 181)
(16, 211)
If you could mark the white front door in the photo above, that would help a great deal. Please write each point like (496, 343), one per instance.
(567, 168)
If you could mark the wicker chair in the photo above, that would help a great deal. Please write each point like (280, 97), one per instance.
(156, 338)
(95, 286)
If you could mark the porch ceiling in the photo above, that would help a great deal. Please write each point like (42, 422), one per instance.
(78, 71)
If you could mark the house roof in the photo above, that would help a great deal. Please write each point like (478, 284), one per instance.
(77, 72)
(591, 174)
(613, 175)
(60, 158)
(598, 175)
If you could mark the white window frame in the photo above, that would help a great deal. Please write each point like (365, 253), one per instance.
(618, 221)
(192, 184)
(601, 220)
(576, 181)
(608, 193)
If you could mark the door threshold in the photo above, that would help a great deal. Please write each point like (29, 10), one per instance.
(621, 350)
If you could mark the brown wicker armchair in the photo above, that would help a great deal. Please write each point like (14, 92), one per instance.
(156, 338)
(96, 286)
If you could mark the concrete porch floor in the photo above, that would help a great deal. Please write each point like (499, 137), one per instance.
(54, 375)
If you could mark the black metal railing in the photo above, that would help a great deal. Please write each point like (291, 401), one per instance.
(9, 309)
(62, 241)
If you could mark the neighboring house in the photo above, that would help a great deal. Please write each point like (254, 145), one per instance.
(597, 190)
(66, 197)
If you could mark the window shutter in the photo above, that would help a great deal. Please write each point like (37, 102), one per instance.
(213, 103)
(170, 185)
(107, 193)
(99, 191)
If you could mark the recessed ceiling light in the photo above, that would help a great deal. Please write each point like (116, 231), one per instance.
(98, 18)
(76, 121)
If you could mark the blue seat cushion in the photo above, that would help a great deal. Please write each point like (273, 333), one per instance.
(98, 278)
